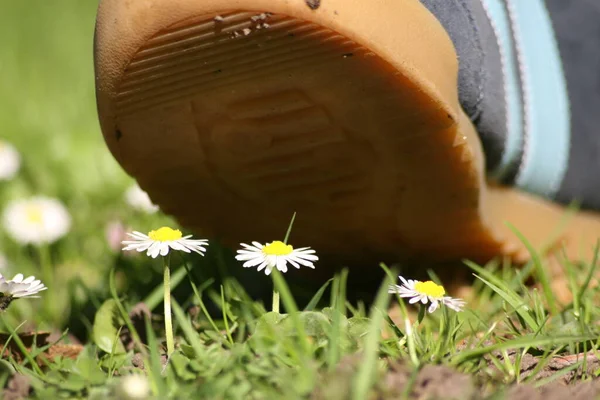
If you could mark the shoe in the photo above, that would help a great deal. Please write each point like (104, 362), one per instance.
(235, 115)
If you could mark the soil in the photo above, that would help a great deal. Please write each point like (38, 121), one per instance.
(440, 382)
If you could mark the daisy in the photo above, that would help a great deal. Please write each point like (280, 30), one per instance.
(10, 161)
(275, 254)
(36, 220)
(157, 242)
(18, 287)
(160, 241)
(139, 200)
(425, 292)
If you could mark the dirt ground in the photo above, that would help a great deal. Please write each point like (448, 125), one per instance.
(440, 382)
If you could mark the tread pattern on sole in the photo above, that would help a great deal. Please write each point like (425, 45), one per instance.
(209, 55)
(269, 106)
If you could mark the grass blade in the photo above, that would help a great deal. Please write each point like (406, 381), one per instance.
(317, 297)
(540, 271)
(365, 377)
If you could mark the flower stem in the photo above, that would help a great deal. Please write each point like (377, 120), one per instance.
(168, 320)
(275, 307)
(46, 264)
(45, 260)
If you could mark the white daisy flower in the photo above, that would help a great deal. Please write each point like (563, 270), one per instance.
(18, 287)
(275, 254)
(161, 240)
(139, 200)
(10, 161)
(36, 220)
(425, 292)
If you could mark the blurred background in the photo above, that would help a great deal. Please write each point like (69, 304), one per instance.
(48, 113)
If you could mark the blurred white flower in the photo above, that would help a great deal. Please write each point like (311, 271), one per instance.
(36, 220)
(10, 161)
(275, 254)
(160, 241)
(139, 200)
(133, 387)
(3, 262)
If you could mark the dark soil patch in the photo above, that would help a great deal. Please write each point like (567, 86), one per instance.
(18, 388)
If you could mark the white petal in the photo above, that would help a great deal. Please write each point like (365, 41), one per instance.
(393, 289)
(248, 252)
(294, 263)
(5, 287)
(264, 264)
(404, 281)
(244, 257)
(454, 304)
(140, 234)
(154, 250)
(281, 264)
(164, 249)
(253, 262)
(433, 306)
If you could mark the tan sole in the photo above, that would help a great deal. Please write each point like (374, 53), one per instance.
(235, 114)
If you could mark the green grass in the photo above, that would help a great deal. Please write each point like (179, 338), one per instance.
(227, 344)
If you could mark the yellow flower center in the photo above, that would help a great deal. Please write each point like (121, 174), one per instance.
(165, 234)
(277, 248)
(430, 288)
(34, 214)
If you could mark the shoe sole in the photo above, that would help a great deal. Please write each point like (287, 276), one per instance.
(234, 115)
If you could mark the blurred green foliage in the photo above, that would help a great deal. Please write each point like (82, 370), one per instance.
(47, 108)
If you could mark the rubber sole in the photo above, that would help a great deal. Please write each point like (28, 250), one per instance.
(234, 115)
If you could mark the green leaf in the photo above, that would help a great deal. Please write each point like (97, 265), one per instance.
(315, 324)
(180, 364)
(187, 350)
(115, 361)
(358, 327)
(86, 366)
(106, 328)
